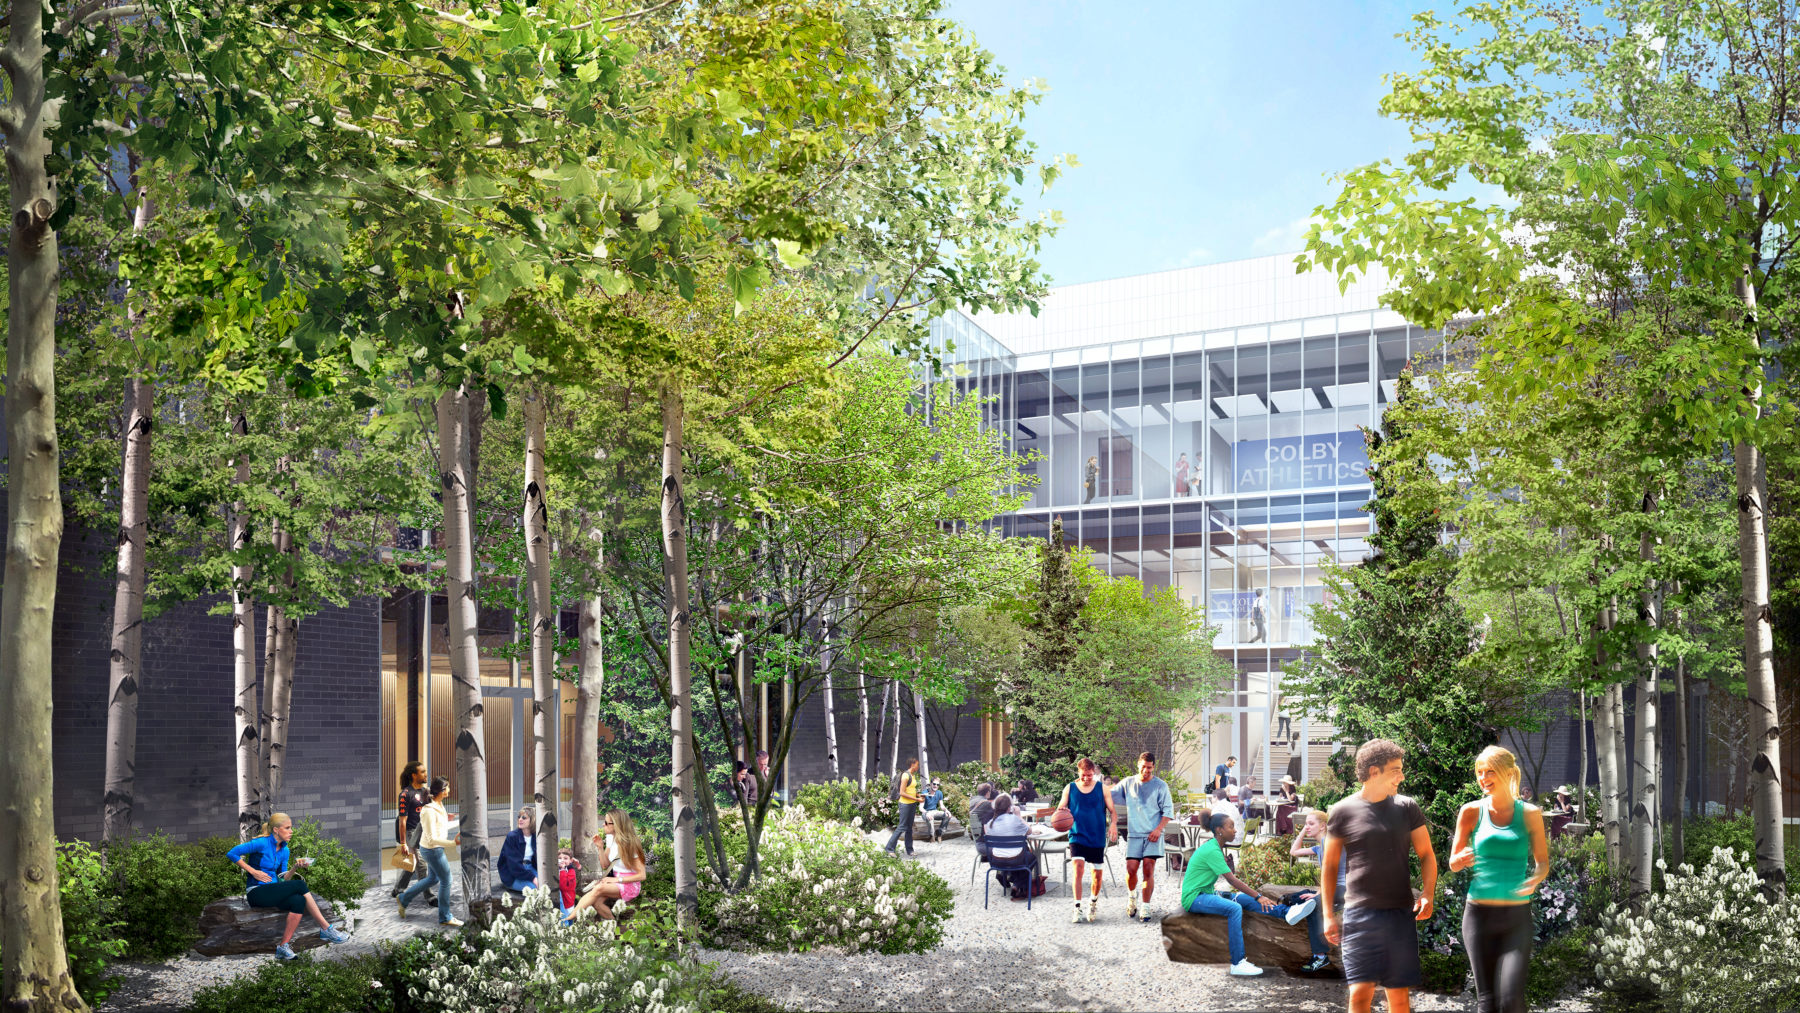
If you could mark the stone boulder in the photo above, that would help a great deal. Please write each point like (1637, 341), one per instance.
(233, 926)
(1268, 943)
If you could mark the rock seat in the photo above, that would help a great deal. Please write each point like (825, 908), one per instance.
(233, 926)
(1268, 942)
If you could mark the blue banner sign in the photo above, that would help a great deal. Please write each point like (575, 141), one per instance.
(1314, 461)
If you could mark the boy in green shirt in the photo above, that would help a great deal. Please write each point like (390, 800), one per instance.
(1199, 883)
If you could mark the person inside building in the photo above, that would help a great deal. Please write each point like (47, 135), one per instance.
(268, 883)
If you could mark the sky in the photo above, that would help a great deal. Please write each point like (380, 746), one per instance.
(1207, 130)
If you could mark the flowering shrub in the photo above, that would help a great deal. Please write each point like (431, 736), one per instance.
(1269, 862)
(845, 802)
(823, 883)
(1709, 942)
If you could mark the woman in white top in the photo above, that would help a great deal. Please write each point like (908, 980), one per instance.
(1006, 823)
(434, 837)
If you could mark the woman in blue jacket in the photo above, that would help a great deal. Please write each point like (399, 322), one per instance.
(518, 856)
(267, 882)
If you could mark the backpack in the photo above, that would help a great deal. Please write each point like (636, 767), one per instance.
(894, 788)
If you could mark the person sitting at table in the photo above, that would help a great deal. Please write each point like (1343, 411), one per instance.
(1227, 804)
(981, 809)
(1025, 793)
(1286, 799)
(1006, 823)
(1200, 894)
(1565, 800)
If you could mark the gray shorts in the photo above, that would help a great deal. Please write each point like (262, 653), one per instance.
(1143, 847)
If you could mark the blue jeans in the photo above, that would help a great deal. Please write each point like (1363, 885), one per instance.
(1315, 922)
(439, 868)
(905, 826)
(1226, 908)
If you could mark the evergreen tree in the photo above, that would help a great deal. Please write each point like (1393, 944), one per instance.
(1045, 750)
(1390, 638)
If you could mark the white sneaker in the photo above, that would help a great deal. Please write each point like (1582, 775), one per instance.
(1075, 919)
(1093, 910)
(1131, 906)
(1245, 969)
(1298, 912)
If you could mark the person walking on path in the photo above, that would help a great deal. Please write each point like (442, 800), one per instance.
(1378, 929)
(1206, 868)
(1095, 826)
(413, 797)
(1148, 808)
(434, 837)
(1503, 837)
(909, 807)
(268, 883)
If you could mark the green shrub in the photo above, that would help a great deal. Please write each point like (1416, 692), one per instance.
(1325, 789)
(1269, 862)
(336, 873)
(1556, 966)
(1444, 974)
(843, 801)
(304, 985)
(1703, 834)
(89, 920)
(162, 887)
(822, 883)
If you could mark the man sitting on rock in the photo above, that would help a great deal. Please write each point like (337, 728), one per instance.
(933, 812)
(1198, 885)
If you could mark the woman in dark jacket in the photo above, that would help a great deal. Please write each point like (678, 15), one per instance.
(518, 858)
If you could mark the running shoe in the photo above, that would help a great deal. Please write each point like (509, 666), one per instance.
(402, 908)
(1298, 912)
(284, 952)
(1131, 906)
(1075, 919)
(1093, 910)
(332, 935)
(1245, 969)
(1318, 963)
(454, 923)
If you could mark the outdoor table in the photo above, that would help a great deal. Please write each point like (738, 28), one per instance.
(1038, 837)
(1284, 816)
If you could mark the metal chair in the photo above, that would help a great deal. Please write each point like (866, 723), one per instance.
(1024, 861)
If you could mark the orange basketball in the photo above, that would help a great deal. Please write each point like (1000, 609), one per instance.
(1062, 819)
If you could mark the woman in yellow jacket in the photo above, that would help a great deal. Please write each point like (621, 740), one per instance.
(434, 837)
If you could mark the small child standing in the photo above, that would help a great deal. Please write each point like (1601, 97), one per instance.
(567, 867)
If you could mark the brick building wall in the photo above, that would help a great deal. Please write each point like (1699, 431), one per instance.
(809, 764)
(186, 761)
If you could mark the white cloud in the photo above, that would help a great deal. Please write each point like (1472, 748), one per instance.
(1289, 238)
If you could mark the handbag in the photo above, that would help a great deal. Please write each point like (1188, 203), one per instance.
(404, 861)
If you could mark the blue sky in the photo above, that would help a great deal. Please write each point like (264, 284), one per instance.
(1206, 129)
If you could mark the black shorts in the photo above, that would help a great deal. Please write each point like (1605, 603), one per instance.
(1088, 853)
(1382, 947)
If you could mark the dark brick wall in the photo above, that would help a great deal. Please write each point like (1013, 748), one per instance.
(186, 764)
(807, 760)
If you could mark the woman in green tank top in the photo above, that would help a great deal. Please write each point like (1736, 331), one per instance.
(1502, 836)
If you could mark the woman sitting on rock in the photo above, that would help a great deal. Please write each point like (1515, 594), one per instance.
(268, 883)
(624, 880)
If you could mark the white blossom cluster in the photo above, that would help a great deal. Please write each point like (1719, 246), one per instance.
(1709, 942)
(514, 965)
(822, 883)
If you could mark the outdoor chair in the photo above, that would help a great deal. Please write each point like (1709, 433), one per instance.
(981, 856)
(1024, 861)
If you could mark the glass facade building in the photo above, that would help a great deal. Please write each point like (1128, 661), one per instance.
(1209, 443)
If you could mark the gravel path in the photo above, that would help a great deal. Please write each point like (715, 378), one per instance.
(1006, 958)
(167, 986)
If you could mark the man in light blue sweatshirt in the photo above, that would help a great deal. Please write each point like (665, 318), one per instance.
(1148, 808)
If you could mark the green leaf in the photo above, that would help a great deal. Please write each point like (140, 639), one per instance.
(788, 252)
(745, 281)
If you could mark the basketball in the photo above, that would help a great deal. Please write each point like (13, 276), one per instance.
(1062, 819)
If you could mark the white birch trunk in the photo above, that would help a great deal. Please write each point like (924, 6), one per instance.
(124, 678)
(545, 698)
(246, 714)
(588, 694)
(1607, 763)
(919, 735)
(894, 760)
(465, 657)
(862, 754)
(1679, 776)
(681, 714)
(1751, 473)
(1644, 804)
(826, 661)
(1581, 783)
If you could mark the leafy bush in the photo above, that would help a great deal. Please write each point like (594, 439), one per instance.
(89, 920)
(823, 883)
(1325, 789)
(1557, 966)
(1709, 942)
(162, 887)
(1269, 862)
(1702, 835)
(1443, 974)
(304, 985)
(336, 873)
(845, 802)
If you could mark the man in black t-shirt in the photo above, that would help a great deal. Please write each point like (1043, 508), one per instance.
(1373, 831)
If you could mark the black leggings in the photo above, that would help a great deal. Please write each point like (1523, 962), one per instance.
(1498, 938)
(288, 895)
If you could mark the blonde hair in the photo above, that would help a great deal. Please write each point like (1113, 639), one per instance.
(1504, 763)
(275, 820)
(625, 835)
